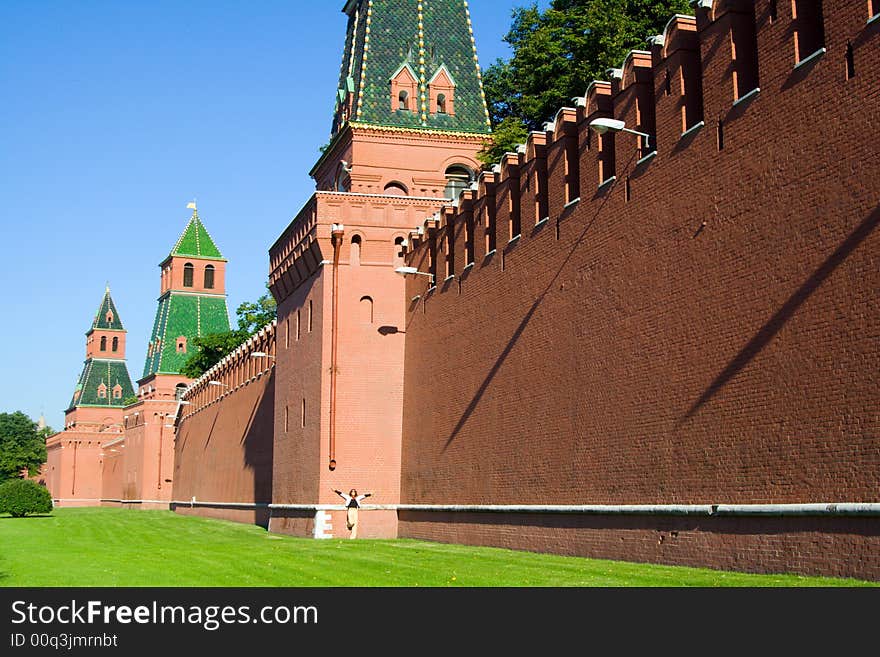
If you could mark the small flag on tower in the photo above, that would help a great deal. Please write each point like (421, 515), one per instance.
(191, 205)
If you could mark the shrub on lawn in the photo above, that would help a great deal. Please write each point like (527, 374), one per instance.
(18, 497)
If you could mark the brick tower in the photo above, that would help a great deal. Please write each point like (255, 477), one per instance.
(192, 303)
(94, 416)
(410, 118)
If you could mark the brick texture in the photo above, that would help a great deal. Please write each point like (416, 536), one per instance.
(708, 337)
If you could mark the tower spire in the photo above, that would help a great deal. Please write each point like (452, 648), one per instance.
(193, 298)
(105, 360)
(411, 64)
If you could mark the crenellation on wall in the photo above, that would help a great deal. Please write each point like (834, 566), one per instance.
(507, 200)
(235, 370)
(223, 448)
(659, 92)
(562, 163)
(466, 237)
(533, 178)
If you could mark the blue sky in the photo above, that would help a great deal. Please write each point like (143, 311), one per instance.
(114, 115)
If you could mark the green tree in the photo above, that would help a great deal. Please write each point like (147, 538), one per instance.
(212, 348)
(22, 445)
(559, 51)
(505, 138)
(252, 316)
(19, 497)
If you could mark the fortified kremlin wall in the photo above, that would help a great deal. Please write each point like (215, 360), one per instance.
(691, 322)
(658, 349)
(223, 446)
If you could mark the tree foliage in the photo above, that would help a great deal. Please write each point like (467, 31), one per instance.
(254, 315)
(22, 445)
(505, 137)
(19, 497)
(559, 51)
(212, 348)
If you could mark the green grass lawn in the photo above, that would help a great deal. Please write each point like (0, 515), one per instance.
(118, 547)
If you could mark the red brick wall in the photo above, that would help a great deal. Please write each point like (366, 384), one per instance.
(711, 339)
(73, 467)
(111, 474)
(299, 375)
(839, 547)
(223, 453)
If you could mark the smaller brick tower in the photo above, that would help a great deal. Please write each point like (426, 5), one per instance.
(192, 303)
(94, 416)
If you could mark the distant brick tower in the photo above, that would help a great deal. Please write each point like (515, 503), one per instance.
(192, 303)
(410, 118)
(94, 416)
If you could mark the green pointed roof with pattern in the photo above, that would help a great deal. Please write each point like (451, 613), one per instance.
(195, 242)
(102, 383)
(182, 315)
(107, 317)
(384, 35)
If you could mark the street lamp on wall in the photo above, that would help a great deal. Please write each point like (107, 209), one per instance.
(405, 271)
(603, 125)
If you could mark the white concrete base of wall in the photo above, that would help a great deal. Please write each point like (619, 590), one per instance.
(323, 524)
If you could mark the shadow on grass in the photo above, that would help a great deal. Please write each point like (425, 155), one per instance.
(28, 517)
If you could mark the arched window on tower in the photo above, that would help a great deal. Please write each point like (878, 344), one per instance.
(179, 389)
(343, 178)
(115, 344)
(366, 310)
(441, 104)
(398, 250)
(188, 275)
(209, 277)
(103, 343)
(355, 257)
(395, 188)
(403, 100)
(458, 178)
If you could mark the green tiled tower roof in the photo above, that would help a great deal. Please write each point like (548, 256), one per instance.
(182, 315)
(195, 241)
(102, 375)
(107, 317)
(385, 35)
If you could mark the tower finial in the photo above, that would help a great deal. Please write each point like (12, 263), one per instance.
(192, 206)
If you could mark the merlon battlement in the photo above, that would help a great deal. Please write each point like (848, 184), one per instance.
(715, 85)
